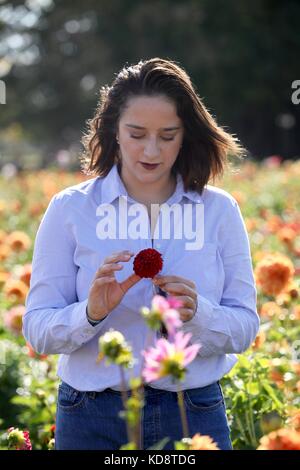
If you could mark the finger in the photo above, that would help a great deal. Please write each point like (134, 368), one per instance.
(129, 282)
(185, 314)
(164, 279)
(114, 262)
(180, 289)
(187, 301)
(108, 269)
(103, 280)
(120, 256)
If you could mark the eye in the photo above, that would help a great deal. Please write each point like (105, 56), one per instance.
(141, 136)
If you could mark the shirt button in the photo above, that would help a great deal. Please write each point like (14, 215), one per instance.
(87, 330)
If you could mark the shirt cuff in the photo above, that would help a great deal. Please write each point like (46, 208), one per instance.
(93, 322)
(82, 329)
(209, 317)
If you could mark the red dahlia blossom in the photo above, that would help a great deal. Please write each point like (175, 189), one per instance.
(148, 263)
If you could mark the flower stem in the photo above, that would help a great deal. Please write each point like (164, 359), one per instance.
(183, 414)
(124, 401)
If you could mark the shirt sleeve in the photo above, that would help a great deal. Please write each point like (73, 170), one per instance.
(232, 325)
(54, 321)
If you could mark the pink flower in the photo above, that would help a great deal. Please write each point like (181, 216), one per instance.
(273, 161)
(13, 319)
(172, 321)
(162, 304)
(169, 358)
(166, 307)
(18, 440)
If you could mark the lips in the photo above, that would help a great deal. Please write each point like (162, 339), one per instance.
(150, 166)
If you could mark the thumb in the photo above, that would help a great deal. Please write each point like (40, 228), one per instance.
(130, 281)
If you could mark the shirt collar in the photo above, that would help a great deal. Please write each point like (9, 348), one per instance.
(113, 187)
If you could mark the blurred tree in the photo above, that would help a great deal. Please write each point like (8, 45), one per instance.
(241, 56)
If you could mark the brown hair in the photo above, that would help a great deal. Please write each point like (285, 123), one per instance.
(205, 147)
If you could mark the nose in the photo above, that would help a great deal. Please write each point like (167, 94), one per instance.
(151, 149)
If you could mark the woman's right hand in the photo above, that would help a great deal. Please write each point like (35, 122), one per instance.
(105, 292)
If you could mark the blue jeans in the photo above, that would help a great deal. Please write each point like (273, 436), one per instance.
(90, 420)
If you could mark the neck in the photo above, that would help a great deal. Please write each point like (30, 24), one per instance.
(155, 194)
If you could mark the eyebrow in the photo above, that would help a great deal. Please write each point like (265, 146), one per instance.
(143, 128)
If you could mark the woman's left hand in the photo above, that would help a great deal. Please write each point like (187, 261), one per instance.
(181, 289)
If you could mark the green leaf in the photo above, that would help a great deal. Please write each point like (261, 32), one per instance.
(159, 445)
(272, 394)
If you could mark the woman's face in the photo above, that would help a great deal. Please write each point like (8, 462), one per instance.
(149, 131)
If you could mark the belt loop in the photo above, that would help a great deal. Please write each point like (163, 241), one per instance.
(92, 395)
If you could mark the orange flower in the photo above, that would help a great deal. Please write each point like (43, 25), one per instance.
(5, 251)
(36, 209)
(283, 299)
(16, 290)
(270, 309)
(15, 206)
(296, 312)
(287, 235)
(18, 241)
(292, 289)
(277, 377)
(296, 369)
(3, 235)
(13, 319)
(4, 276)
(251, 224)
(274, 223)
(282, 439)
(259, 340)
(25, 274)
(239, 197)
(294, 420)
(202, 443)
(2, 206)
(259, 255)
(273, 273)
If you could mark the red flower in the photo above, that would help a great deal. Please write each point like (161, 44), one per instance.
(148, 263)
(31, 353)
(52, 429)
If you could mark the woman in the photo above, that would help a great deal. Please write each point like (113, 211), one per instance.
(153, 143)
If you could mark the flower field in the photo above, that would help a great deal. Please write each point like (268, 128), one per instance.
(262, 392)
